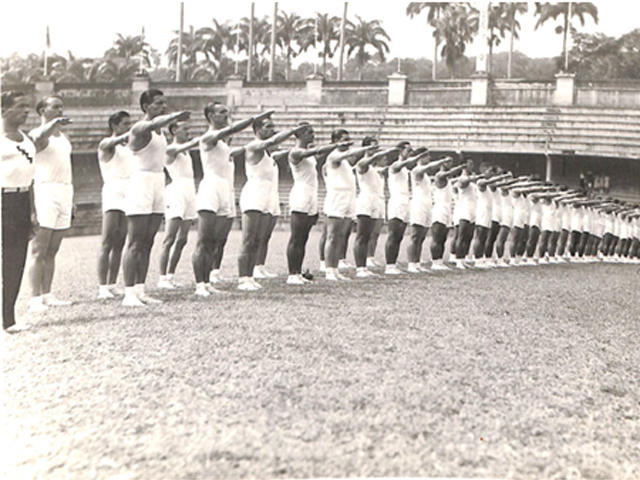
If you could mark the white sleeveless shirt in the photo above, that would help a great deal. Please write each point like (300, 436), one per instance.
(18, 162)
(53, 164)
(181, 167)
(151, 157)
(217, 161)
(305, 171)
(119, 167)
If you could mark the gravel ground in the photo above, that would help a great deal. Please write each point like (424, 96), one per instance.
(509, 373)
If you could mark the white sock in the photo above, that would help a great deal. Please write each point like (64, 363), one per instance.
(437, 262)
(169, 277)
(130, 292)
(104, 289)
(139, 288)
(215, 273)
(37, 299)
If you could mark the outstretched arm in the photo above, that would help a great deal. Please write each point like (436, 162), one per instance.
(176, 148)
(41, 135)
(365, 162)
(106, 147)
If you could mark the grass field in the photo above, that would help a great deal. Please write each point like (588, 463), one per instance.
(516, 373)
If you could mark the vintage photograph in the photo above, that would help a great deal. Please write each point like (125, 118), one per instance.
(287, 240)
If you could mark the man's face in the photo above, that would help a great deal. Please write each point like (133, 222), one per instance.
(267, 130)
(158, 106)
(374, 143)
(18, 113)
(53, 109)
(220, 116)
(406, 152)
(181, 132)
(344, 138)
(123, 127)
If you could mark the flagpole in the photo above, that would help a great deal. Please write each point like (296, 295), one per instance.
(46, 54)
(250, 51)
(142, 51)
(272, 66)
(179, 59)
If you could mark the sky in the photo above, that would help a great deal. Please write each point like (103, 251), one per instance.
(88, 28)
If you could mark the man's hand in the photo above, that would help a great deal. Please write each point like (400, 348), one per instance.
(263, 115)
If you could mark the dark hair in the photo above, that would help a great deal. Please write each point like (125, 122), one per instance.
(209, 109)
(368, 140)
(420, 150)
(148, 96)
(116, 118)
(172, 127)
(303, 123)
(401, 145)
(9, 98)
(257, 124)
(42, 103)
(337, 134)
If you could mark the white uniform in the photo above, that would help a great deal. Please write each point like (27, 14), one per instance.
(370, 200)
(115, 175)
(398, 205)
(421, 201)
(535, 213)
(484, 207)
(181, 192)
(442, 203)
(18, 162)
(303, 197)
(340, 201)
(566, 216)
(609, 223)
(547, 222)
(576, 219)
(257, 193)
(520, 211)
(496, 206)
(465, 204)
(506, 205)
(146, 190)
(53, 190)
(215, 192)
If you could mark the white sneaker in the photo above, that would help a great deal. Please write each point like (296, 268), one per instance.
(363, 272)
(503, 263)
(52, 301)
(371, 263)
(15, 328)
(104, 293)
(439, 267)
(255, 284)
(116, 290)
(334, 276)
(295, 280)
(144, 298)
(323, 266)
(215, 278)
(460, 265)
(211, 289)
(36, 305)
(165, 284)
(267, 273)
(344, 265)
(413, 268)
(131, 301)
(248, 286)
(393, 270)
(258, 273)
(201, 291)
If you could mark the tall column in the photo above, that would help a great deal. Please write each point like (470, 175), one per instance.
(480, 79)
(397, 88)
(314, 88)
(565, 89)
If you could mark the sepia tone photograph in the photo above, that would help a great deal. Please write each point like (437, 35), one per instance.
(320, 240)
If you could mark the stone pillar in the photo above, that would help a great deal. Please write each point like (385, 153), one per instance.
(235, 83)
(139, 85)
(565, 89)
(548, 168)
(397, 89)
(44, 88)
(314, 88)
(480, 88)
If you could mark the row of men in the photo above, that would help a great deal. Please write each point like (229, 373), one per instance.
(492, 208)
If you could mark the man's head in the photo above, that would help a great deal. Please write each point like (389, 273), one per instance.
(50, 107)
(216, 115)
(340, 135)
(153, 103)
(15, 107)
(405, 150)
(120, 122)
(179, 131)
(264, 128)
(306, 135)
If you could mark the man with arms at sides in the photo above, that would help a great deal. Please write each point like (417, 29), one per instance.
(216, 197)
(146, 192)
(303, 199)
(18, 169)
(257, 197)
(421, 209)
(181, 202)
(370, 205)
(340, 200)
(53, 198)
(114, 159)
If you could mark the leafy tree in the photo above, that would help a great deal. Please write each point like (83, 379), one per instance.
(365, 34)
(511, 11)
(328, 36)
(547, 11)
(293, 35)
(435, 10)
(18, 70)
(456, 27)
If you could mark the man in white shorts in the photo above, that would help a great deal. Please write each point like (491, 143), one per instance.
(303, 198)
(216, 202)
(53, 200)
(257, 197)
(369, 202)
(442, 210)
(340, 200)
(181, 202)
(145, 193)
(114, 158)
(464, 213)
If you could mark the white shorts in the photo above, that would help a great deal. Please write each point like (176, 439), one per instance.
(114, 194)
(421, 212)
(145, 193)
(53, 203)
(181, 199)
(340, 204)
(370, 206)
(442, 214)
(303, 198)
(520, 217)
(215, 194)
(398, 207)
(464, 211)
(483, 214)
(257, 195)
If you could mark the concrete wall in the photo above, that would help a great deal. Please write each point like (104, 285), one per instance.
(439, 93)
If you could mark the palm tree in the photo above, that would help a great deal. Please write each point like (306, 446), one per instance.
(292, 29)
(261, 38)
(435, 10)
(73, 70)
(117, 69)
(497, 26)
(190, 47)
(328, 34)
(129, 47)
(511, 10)
(547, 11)
(456, 27)
(365, 34)
(18, 70)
